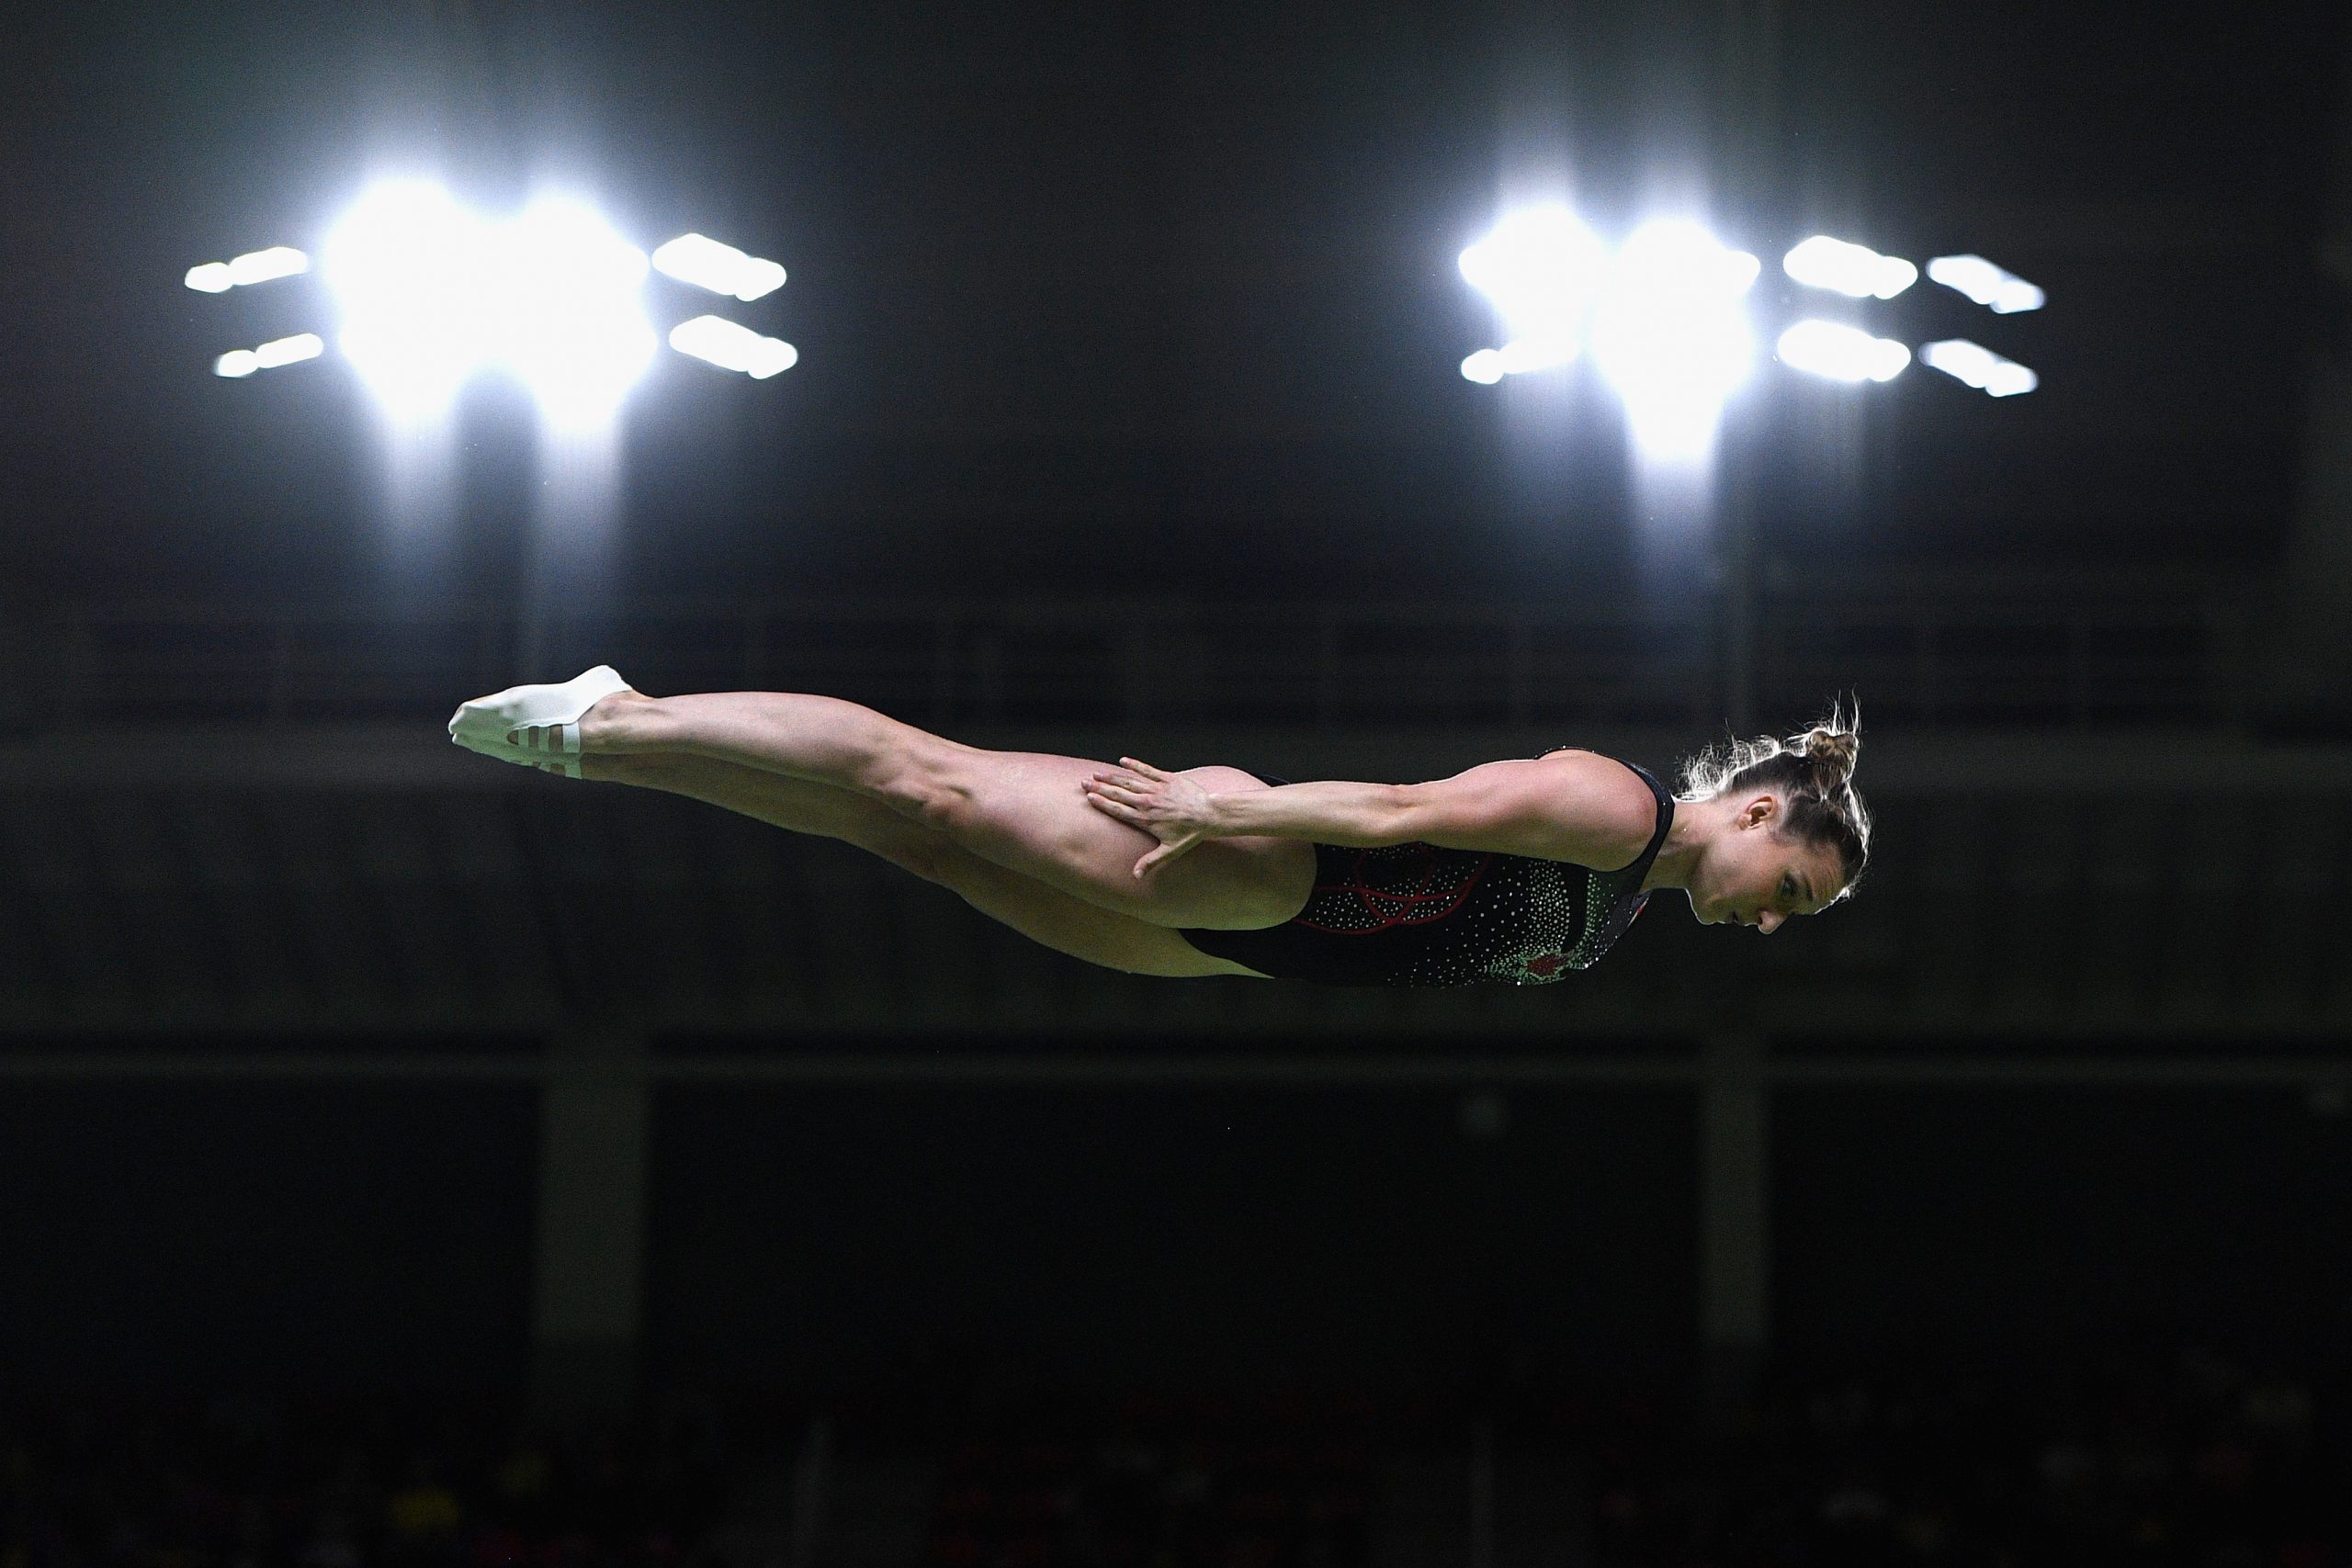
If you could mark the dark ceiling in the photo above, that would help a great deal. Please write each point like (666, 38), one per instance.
(1144, 299)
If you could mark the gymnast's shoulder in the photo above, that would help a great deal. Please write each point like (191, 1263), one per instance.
(1569, 804)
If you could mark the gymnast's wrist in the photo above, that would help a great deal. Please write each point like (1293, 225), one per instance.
(1219, 821)
(1271, 813)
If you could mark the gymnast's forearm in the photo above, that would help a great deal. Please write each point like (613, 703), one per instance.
(1328, 811)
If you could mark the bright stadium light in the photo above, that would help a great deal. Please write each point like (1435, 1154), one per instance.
(1979, 367)
(1544, 270)
(1672, 336)
(1663, 318)
(574, 331)
(2004, 293)
(239, 363)
(1841, 353)
(1518, 357)
(262, 266)
(290, 350)
(722, 269)
(1523, 354)
(1856, 271)
(719, 342)
(431, 293)
(403, 262)
(253, 267)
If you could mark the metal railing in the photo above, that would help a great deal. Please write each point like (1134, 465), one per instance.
(2039, 650)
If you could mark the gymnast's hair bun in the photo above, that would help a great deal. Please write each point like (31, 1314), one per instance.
(1829, 755)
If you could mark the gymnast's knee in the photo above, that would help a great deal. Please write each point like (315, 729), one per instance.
(938, 805)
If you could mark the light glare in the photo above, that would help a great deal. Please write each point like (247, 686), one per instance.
(573, 332)
(2002, 292)
(262, 266)
(1979, 367)
(401, 263)
(1518, 357)
(721, 268)
(1841, 353)
(253, 267)
(1523, 354)
(290, 350)
(730, 346)
(239, 363)
(1544, 270)
(1672, 336)
(1856, 271)
(430, 292)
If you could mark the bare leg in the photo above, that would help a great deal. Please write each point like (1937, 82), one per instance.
(1041, 913)
(1023, 811)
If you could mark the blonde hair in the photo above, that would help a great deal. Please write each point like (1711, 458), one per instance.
(1813, 772)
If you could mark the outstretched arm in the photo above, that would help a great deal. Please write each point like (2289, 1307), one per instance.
(1178, 812)
(1330, 811)
(1567, 805)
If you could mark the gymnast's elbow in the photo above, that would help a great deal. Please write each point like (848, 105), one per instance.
(1387, 817)
(1397, 814)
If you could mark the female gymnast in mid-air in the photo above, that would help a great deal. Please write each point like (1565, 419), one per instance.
(1514, 871)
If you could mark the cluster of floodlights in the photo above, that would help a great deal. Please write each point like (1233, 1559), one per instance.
(1663, 317)
(431, 293)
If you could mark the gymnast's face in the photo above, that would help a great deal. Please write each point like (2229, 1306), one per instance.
(1749, 876)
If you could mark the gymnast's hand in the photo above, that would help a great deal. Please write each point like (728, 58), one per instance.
(1170, 807)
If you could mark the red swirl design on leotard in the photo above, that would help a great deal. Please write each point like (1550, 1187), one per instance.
(1394, 908)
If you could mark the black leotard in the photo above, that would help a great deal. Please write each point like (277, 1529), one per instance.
(1418, 915)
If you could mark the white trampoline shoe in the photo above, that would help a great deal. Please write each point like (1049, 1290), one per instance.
(536, 727)
(498, 751)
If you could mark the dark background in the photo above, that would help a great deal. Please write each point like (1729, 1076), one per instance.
(361, 1239)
